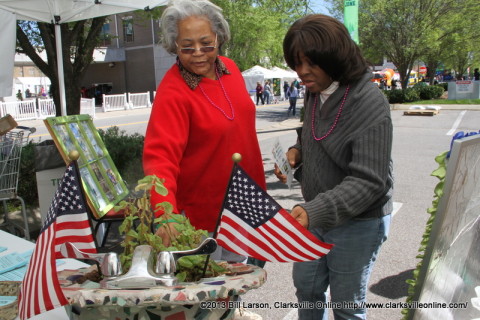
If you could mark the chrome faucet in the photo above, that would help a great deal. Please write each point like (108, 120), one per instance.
(109, 262)
(141, 274)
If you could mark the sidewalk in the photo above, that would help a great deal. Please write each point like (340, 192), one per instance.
(474, 107)
(283, 125)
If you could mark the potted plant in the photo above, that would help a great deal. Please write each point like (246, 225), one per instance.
(138, 229)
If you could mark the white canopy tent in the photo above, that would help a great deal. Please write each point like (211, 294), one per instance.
(33, 84)
(7, 53)
(255, 74)
(261, 74)
(61, 11)
(285, 74)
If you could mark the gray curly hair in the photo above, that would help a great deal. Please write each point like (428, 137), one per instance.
(180, 9)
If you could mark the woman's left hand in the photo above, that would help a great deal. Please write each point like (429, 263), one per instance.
(299, 214)
(167, 232)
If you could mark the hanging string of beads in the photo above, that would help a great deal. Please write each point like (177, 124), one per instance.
(226, 97)
(339, 113)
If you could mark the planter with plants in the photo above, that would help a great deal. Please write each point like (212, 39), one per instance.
(179, 286)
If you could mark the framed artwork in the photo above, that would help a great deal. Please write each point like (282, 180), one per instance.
(449, 280)
(103, 185)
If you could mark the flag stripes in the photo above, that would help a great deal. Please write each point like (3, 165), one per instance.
(41, 290)
(254, 225)
(66, 221)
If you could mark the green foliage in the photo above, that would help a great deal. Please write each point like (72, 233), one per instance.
(126, 152)
(406, 31)
(440, 173)
(420, 91)
(138, 230)
(444, 85)
(394, 96)
(27, 180)
(411, 94)
(401, 96)
(430, 92)
(257, 30)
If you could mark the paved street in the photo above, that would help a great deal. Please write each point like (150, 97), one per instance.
(417, 140)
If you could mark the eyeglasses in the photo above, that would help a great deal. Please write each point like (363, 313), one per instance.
(204, 49)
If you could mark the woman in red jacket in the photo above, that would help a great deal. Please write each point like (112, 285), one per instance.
(201, 115)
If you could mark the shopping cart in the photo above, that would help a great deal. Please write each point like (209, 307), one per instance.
(11, 144)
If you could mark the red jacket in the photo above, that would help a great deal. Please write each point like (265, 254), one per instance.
(190, 143)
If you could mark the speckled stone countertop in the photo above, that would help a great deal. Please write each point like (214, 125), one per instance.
(195, 300)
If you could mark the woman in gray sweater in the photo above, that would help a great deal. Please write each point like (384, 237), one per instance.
(343, 161)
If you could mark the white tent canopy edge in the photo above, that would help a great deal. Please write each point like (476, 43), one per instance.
(61, 11)
(260, 74)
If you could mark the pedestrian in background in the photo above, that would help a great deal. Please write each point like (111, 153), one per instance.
(259, 91)
(19, 95)
(286, 86)
(343, 161)
(203, 116)
(267, 92)
(292, 94)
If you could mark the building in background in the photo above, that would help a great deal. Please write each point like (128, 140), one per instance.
(129, 59)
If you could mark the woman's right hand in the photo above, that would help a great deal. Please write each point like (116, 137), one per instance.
(293, 158)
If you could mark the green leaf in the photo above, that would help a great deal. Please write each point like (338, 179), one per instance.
(181, 276)
(217, 268)
(185, 262)
(166, 207)
(440, 159)
(440, 172)
(132, 233)
(146, 179)
(160, 189)
(439, 189)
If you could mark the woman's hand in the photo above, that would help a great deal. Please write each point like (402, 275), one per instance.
(167, 232)
(293, 157)
(299, 214)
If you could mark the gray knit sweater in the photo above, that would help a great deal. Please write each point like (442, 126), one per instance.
(348, 175)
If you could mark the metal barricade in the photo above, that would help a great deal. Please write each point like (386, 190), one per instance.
(11, 144)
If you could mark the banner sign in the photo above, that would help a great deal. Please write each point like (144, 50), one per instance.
(351, 18)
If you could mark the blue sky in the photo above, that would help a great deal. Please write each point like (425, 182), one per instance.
(319, 6)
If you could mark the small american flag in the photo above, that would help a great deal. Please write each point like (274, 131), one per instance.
(254, 225)
(67, 221)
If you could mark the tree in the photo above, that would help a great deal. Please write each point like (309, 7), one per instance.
(257, 29)
(79, 40)
(406, 31)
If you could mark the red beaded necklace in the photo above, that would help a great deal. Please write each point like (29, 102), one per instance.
(226, 97)
(339, 113)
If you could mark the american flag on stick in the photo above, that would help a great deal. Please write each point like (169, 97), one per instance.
(253, 224)
(67, 221)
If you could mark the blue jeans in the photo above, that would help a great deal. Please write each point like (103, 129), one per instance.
(293, 104)
(266, 97)
(346, 269)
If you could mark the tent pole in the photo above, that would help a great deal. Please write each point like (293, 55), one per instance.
(61, 77)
